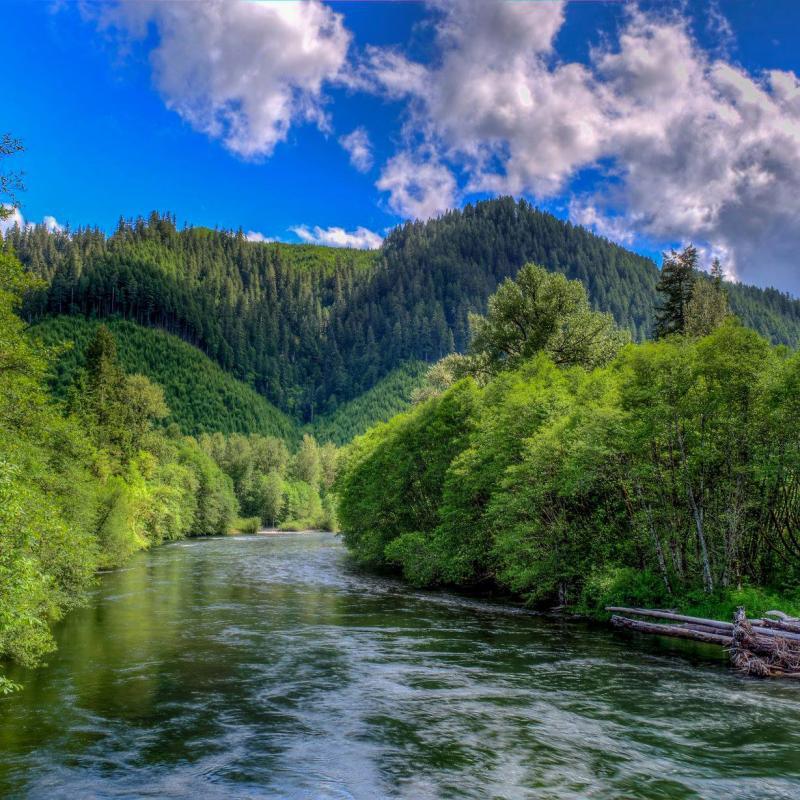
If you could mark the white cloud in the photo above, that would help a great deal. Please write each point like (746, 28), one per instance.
(689, 147)
(583, 212)
(255, 236)
(9, 222)
(241, 72)
(417, 189)
(705, 151)
(49, 222)
(359, 147)
(361, 238)
(52, 224)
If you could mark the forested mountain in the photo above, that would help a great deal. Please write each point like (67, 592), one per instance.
(311, 328)
(202, 397)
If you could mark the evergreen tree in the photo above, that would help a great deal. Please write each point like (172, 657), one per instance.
(678, 273)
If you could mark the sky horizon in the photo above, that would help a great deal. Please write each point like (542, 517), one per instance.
(652, 124)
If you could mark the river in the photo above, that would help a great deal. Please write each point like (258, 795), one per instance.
(269, 667)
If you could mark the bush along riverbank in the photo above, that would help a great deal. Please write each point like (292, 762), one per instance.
(561, 464)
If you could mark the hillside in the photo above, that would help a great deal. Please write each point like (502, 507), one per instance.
(388, 397)
(313, 328)
(201, 396)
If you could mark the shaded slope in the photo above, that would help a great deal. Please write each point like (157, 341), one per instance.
(388, 397)
(201, 396)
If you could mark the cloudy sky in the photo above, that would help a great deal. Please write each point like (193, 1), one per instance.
(652, 123)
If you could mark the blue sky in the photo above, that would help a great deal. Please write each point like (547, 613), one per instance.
(653, 124)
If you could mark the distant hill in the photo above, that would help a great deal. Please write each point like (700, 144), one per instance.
(201, 396)
(313, 328)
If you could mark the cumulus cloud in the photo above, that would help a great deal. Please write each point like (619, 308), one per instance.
(52, 224)
(361, 238)
(584, 212)
(239, 72)
(359, 147)
(688, 146)
(16, 218)
(704, 150)
(417, 188)
(255, 236)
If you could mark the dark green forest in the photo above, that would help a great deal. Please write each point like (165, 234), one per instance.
(202, 397)
(311, 328)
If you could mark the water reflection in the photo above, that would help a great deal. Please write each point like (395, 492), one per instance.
(267, 667)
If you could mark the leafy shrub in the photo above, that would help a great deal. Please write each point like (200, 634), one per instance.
(246, 525)
(622, 586)
(412, 552)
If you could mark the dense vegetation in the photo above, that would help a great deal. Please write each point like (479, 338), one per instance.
(98, 472)
(310, 328)
(84, 483)
(274, 488)
(202, 398)
(391, 395)
(663, 473)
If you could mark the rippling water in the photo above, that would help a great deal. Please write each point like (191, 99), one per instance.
(258, 667)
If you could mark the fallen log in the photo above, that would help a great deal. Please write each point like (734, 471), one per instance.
(648, 612)
(780, 625)
(781, 616)
(671, 630)
(772, 630)
(693, 626)
(764, 650)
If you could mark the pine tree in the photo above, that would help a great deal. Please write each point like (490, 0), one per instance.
(675, 283)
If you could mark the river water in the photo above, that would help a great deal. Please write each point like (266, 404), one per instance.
(254, 667)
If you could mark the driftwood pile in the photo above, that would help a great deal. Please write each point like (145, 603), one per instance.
(767, 648)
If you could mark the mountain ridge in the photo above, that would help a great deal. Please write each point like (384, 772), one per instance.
(312, 328)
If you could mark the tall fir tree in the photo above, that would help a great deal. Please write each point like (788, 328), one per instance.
(676, 282)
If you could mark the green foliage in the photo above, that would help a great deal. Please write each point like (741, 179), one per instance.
(83, 489)
(538, 312)
(707, 308)
(414, 554)
(667, 477)
(311, 328)
(676, 284)
(291, 492)
(10, 182)
(201, 397)
(391, 395)
(392, 477)
(306, 465)
(246, 525)
(624, 586)
(756, 599)
(267, 498)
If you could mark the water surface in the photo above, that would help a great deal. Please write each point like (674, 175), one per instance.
(268, 667)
